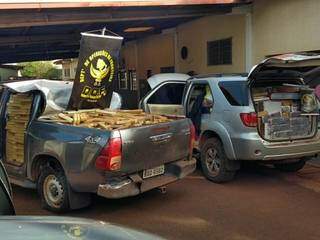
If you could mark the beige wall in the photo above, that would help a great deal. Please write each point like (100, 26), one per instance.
(159, 50)
(276, 26)
(196, 34)
(285, 26)
(129, 54)
(150, 53)
(155, 52)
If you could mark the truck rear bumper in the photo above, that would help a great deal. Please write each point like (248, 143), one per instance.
(135, 185)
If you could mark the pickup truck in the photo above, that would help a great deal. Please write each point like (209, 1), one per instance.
(269, 115)
(67, 164)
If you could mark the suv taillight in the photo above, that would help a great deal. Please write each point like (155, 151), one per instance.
(110, 155)
(192, 139)
(249, 119)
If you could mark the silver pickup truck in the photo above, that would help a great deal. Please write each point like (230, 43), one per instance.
(69, 163)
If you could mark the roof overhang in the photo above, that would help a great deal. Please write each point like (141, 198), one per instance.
(19, 4)
(48, 30)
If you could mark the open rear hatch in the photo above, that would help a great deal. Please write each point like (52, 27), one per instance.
(286, 107)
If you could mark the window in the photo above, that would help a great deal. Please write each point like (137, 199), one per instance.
(66, 72)
(219, 52)
(200, 96)
(236, 92)
(123, 81)
(133, 80)
(170, 93)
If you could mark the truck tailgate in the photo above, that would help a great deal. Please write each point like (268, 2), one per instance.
(150, 146)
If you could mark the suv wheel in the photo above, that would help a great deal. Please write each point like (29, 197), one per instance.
(290, 167)
(53, 190)
(214, 162)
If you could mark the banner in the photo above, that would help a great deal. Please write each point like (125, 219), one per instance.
(97, 71)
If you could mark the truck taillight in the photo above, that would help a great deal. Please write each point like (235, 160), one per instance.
(192, 138)
(110, 155)
(249, 119)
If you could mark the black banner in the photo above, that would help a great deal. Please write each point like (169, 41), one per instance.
(97, 71)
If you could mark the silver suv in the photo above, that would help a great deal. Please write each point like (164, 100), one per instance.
(270, 115)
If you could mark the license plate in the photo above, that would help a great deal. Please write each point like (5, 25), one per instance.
(153, 172)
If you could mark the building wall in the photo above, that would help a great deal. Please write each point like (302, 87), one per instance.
(195, 35)
(273, 27)
(155, 52)
(72, 66)
(285, 26)
(163, 50)
(6, 73)
(129, 54)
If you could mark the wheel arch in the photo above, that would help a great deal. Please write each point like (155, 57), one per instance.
(224, 138)
(42, 160)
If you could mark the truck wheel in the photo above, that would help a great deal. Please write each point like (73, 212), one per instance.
(214, 162)
(53, 190)
(290, 167)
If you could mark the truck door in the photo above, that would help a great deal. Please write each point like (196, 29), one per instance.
(166, 99)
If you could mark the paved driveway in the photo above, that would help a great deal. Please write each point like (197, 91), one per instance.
(261, 203)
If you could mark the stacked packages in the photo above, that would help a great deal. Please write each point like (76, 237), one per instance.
(18, 117)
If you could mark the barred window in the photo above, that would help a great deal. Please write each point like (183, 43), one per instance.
(219, 52)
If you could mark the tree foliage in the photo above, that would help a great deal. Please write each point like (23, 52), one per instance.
(41, 69)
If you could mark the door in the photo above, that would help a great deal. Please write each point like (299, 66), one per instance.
(199, 104)
(166, 99)
(19, 109)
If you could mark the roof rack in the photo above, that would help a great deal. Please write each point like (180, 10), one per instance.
(220, 75)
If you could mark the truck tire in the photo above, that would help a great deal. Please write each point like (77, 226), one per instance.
(290, 167)
(214, 162)
(53, 190)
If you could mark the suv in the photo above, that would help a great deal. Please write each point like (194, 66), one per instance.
(269, 116)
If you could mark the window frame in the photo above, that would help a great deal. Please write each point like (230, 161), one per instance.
(153, 91)
(223, 58)
(123, 80)
(188, 94)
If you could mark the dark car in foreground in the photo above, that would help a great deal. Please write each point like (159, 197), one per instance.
(46, 228)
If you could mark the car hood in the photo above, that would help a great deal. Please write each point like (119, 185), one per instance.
(34, 228)
(156, 79)
(293, 63)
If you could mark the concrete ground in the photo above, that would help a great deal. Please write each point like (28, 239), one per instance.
(261, 203)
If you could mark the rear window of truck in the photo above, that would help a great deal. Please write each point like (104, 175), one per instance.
(236, 92)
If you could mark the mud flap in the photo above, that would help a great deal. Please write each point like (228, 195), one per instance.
(78, 200)
(233, 165)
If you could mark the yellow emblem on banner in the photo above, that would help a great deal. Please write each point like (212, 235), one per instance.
(100, 72)
(98, 67)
